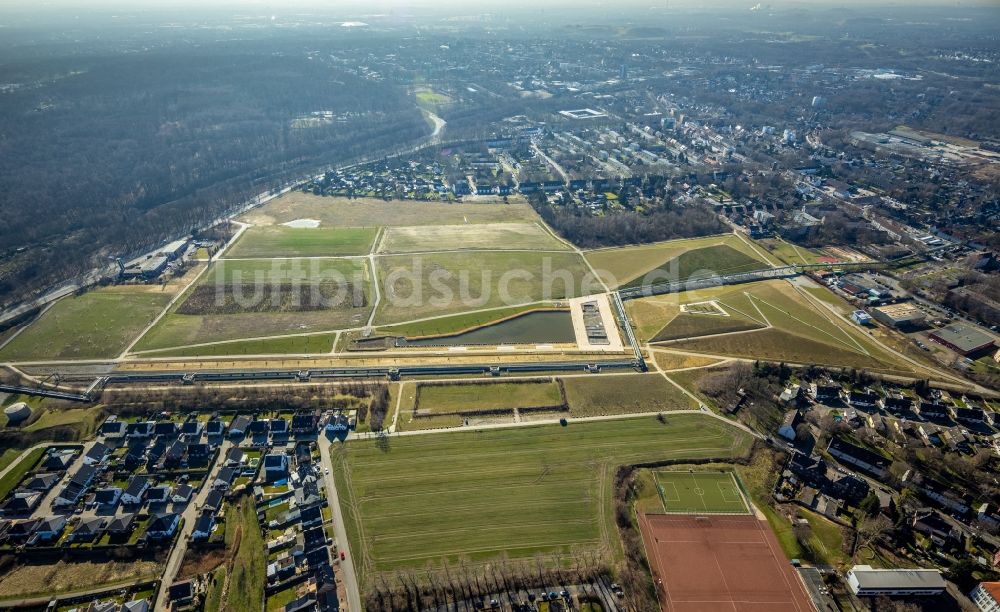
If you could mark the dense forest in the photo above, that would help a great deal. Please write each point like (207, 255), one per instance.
(588, 232)
(110, 155)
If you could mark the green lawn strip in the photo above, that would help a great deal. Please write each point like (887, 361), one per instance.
(291, 345)
(279, 600)
(517, 491)
(609, 394)
(213, 594)
(16, 474)
(8, 456)
(247, 583)
(98, 324)
(826, 543)
(282, 241)
(477, 397)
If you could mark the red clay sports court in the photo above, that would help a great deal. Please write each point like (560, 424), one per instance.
(720, 563)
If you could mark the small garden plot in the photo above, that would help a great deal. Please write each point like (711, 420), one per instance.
(696, 492)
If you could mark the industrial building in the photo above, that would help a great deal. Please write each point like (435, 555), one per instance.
(901, 316)
(963, 339)
(865, 581)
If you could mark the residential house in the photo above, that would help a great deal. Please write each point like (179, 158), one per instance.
(861, 458)
(140, 430)
(825, 394)
(59, 460)
(87, 530)
(48, 530)
(96, 454)
(113, 429)
(135, 490)
(163, 526)
(224, 479)
(203, 526)
(275, 467)
(76, 487)
(896, 405)
(108, 497)
(214, 500)
(238, 427)
(158, 495)
(932, 525)
(792, 420)
(193, 428)
(862, 400)
(43, 482)
(932, 411)
(938, 494)
(22, 502)
(122, 525)
(215, 428)
(166, 429)
(182, 494)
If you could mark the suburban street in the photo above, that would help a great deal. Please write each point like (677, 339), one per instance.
(188, 517)
(343, 545)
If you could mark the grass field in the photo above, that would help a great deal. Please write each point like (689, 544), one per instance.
(370, 212)
(294, 269)
(419, 286)
(514, 492)
(787, 252)
(693, 491)
(248, 571)
(84, 420)
(481, 397)
(623, 394)
(289, 345)
(53, 578)
(799, 331)
(96, 325)
(20, 469)
(619, 266)
(720, 259)
(426, 97)
(494, 236)
(281, 241)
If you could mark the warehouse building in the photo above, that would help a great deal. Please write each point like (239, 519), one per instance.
(901, 316)
(963, 339)
(866, 581)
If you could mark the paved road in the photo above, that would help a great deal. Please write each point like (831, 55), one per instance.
(189, 515)
(348, 575)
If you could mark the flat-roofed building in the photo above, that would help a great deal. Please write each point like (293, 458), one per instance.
(901, 316)
(963, 339)
(866, 581)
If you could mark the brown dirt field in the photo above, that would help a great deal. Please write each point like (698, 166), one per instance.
(728, 563)
(197, 562)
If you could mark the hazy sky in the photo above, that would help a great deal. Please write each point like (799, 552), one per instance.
(461, 5)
